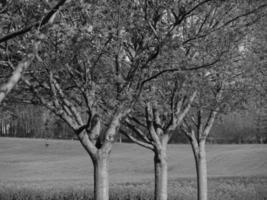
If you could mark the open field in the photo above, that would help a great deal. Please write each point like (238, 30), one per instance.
(235, 171)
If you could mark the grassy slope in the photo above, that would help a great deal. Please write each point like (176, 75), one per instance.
(28, 162)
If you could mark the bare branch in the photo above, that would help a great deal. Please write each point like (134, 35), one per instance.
(199, 122)
(6, 88)
(58, 111)
(95, 129)
(46, 19)
(180, 69)
(136, 121)
(86, 143)
(186, 109)
(212, 115)
(197, 6)
(210, 122)
(245, 14)
(138, 132)
(150, 125)
(85, 96)
(67, 102)
(181, 112)
(216, 26)
(113, 126)
(135, 140)
(193, 120)
(190, 134)
(157, 121)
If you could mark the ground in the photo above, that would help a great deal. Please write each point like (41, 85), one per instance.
(34, 164)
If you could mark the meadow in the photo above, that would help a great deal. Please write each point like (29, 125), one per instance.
(61, 169)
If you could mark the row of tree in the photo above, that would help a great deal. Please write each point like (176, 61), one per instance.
(140, 68)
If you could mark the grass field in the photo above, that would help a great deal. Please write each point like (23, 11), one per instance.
(29, 169)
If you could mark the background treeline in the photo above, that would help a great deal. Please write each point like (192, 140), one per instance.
(32, 121)
(245, 126)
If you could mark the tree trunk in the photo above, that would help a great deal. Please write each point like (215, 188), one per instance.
(202, 172)
(101, 179)
(161, 175)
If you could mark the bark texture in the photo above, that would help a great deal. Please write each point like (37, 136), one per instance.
(161, 176)
(202, 177)
(199, 152)
(101, 178)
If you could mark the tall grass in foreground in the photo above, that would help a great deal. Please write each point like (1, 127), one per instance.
(183, 189)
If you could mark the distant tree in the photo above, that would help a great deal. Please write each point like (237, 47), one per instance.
(256, 58)
(235, 127)
(261, 122)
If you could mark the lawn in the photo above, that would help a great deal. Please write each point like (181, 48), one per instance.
(38, 165)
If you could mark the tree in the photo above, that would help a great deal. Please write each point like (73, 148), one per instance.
(202, 122)
(226, 88)
(87, 72)
(204, 39)
(155, 129)
(90, 73)
(97, 58)
(25, 63)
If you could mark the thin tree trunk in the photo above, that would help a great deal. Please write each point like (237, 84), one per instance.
(202, 172)
(161, 176)
(101, 179)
